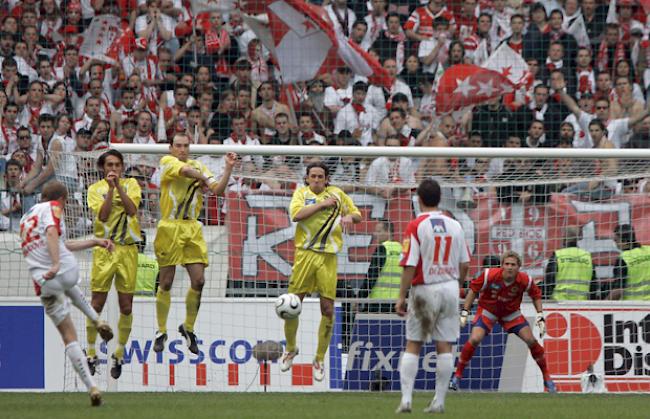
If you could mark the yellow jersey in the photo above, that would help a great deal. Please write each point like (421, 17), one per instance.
(119, 227)
(181, 198)
(322, 231)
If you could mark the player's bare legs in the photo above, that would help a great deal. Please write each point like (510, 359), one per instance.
(324, 336)
(163, 302)
(76, 356)
(475, 338)
(537, 352)
(192, 302)
(290, 331)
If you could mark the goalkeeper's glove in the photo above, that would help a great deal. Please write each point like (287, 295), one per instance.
(541, 324)
(463, 317)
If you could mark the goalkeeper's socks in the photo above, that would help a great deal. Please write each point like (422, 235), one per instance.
(407, 372)
(79, 301)
(163, 301)
(78, 360)
(91, 337)
(324, 336)
(444, 368)
(465, 356)
(537, 351)
(290, 332)
(192, 303)
(123, 332)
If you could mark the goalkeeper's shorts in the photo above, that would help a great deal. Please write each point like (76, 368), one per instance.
(314, 271)
(121, 264)
(511, 323)
(180, 242)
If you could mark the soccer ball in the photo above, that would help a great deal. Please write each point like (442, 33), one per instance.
(288, 306)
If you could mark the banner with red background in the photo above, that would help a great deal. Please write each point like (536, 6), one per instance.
(261, 233)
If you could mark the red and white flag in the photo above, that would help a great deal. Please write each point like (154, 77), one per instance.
(102, 33)
(506, 61)
(303, 41)
(467, 84)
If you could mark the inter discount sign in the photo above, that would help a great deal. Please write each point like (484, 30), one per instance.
(261, 232)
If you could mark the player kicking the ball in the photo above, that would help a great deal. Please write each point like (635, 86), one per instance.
(322, 213)
(500, 292)
(179, 237)
(114, 202)
(55, 274)
(436, 261)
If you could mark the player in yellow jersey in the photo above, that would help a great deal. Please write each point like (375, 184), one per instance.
(114, 202)
(322, 213)
(179, 238)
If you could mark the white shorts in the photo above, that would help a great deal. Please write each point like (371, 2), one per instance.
(62, 282)
(53, 295)
(433, 313)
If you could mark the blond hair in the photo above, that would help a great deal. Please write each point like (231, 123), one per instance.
(511, 254)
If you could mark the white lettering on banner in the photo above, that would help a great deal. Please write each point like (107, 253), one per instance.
(589, 241)
(262, 247)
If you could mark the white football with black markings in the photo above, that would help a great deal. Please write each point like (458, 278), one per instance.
(288, 306)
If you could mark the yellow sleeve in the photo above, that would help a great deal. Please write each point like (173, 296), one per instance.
(171, 168)
(204, 169)
(348, 205)
(95, 200)
(133, 191)
(297, 202)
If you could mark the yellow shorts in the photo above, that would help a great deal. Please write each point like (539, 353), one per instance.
(180, 242)
(314, 271)
(121, 264)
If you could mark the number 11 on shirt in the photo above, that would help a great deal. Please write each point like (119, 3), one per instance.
(436, 251)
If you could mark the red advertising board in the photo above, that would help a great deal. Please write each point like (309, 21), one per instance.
(261, 233)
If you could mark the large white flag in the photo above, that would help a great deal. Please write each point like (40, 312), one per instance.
(302, 39)
(102, 33)
(507, 62)
(579, 31)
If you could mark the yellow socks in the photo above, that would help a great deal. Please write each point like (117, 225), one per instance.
(324, 336)
(290, 331)
(91, 337)
(163, 301)
(192, 303)
(123, 332)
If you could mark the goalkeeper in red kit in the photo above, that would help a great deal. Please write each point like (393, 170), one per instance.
(500, 292)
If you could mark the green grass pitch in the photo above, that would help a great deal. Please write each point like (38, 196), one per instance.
(320, 405)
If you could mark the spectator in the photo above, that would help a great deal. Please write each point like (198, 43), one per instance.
(389, 174)
(354, 116)
(11, 209)
(375, 22)
(631, 268)
(264, 115)
(494, 121)
(391, 42)
(570, 273)
(341, 16)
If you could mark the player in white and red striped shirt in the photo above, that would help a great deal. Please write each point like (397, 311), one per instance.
(436, 261)
(419, 25)
(55, 274)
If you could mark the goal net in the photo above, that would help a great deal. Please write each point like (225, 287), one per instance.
(504, 200)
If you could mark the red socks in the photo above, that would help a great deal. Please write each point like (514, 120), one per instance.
(465, 356)
(537, 351)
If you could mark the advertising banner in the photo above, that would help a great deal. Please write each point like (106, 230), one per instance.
(261, 232)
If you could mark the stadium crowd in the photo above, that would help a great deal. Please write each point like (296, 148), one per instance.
(209, 76)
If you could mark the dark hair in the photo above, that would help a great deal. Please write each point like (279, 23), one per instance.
(53, 191)
(9, 62)
(23, 128)
(46, 117)
(400, 111)
(625, 234)
(318, 164)
(598, 123)
(387, 224)
(429, 192)
(399, 97)
(13, 162)
(440, 21)
(360, 86)
(517, 15)
(112, 152)
(556, 11)
(360, 22)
